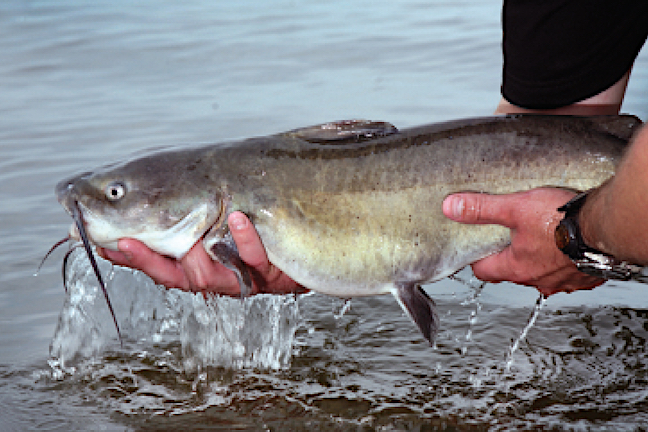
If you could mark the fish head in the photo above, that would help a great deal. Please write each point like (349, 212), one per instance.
(155, 199)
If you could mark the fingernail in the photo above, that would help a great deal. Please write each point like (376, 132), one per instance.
(125, 250)
(454, 206)
(238, 222)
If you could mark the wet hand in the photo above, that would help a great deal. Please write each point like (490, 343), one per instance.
(197, 272)
(532, 258)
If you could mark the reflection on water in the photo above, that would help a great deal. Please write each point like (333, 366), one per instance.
(86, 83)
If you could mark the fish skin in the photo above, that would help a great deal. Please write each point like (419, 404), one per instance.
(351, 217)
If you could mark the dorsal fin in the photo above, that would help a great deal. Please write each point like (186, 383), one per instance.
(622, 126)
(342, 132)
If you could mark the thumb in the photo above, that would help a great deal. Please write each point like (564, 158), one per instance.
(481, 208)
(248, 242)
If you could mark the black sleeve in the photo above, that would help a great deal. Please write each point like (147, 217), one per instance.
(558, 52)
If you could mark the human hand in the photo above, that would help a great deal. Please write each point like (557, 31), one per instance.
(532, 258)
(197, 272)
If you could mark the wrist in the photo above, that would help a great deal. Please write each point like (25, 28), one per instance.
(589, 218)
(570, 239)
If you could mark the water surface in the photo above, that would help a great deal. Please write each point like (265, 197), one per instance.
(86, 83)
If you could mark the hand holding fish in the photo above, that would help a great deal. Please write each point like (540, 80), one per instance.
(198, 272)
(532, 258)
(612, 221)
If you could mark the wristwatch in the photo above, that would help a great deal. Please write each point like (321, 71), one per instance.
(587, 259)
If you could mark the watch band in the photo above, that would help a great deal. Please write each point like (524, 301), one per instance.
(568, 235)
(587, 259)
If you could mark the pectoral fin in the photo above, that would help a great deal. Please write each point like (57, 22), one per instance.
(223, 249)
(420, 308)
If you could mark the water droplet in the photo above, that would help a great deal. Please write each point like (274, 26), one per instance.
(339, 313)
(523, 334)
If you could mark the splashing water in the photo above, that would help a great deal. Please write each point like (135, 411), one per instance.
(223, 331)
(523, 334)
(339, 310)
(257, 332)
(477, 287)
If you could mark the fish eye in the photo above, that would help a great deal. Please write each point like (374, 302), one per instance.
(115, 191)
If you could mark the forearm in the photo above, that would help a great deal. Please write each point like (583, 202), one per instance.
(614, 218)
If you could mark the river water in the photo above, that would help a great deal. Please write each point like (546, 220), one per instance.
(85, 83)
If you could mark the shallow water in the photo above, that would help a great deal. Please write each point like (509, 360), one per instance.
(85, 83)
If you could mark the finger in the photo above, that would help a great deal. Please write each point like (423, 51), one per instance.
(494, 268)
(161, 269)
(267, 278)
(114, 256)
(206, 275)
(564, 278)
(248, 242)
(531, 267)
(480, 208)
(585, 283)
